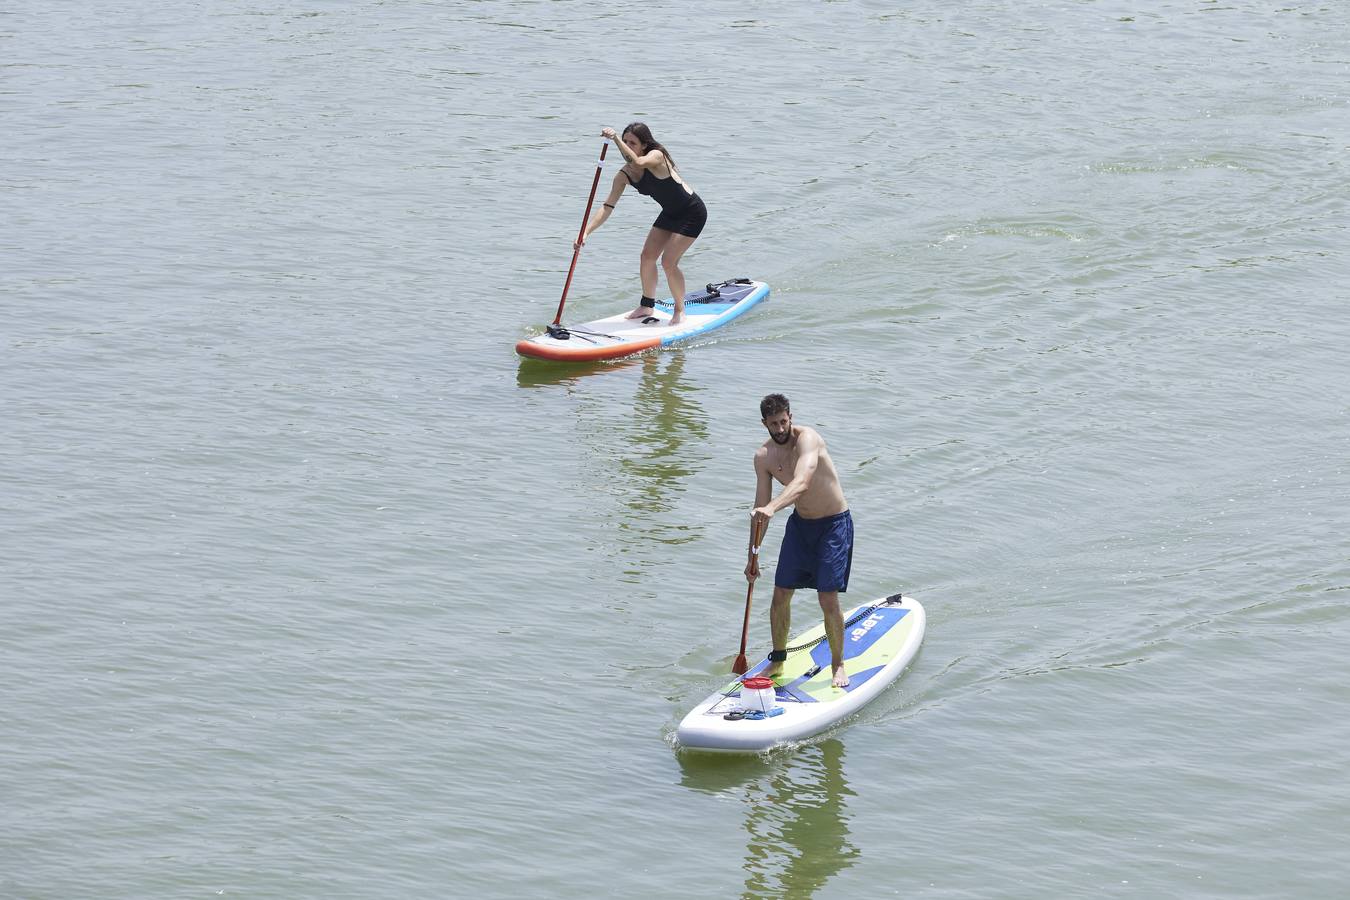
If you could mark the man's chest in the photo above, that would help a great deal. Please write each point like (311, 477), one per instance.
(782, 465)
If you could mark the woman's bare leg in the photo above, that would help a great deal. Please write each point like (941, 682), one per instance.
(670, 262)
(652, 248)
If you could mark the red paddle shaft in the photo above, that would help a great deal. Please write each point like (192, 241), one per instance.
(740, 666)
(582, 233)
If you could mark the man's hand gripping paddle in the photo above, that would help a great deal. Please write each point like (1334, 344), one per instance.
(757, 529)
(556, 329)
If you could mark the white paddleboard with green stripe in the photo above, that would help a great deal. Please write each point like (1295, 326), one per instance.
(880, 639)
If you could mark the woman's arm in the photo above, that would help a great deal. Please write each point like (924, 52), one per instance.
(599, 216)
(647, 160)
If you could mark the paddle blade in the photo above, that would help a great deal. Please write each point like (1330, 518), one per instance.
(740, 666)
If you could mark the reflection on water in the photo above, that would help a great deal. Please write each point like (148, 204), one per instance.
(541, 373)
(796, 828)
(665, 416)
(644, 433)
(640, 447)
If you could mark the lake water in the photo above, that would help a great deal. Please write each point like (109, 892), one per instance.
(309, 587)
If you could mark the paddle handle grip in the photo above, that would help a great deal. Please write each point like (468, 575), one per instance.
(757, 530)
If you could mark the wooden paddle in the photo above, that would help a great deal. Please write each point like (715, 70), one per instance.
(590, 201)
(740, 666)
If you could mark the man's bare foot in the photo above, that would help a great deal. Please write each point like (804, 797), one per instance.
(840, 677)
(774, 670)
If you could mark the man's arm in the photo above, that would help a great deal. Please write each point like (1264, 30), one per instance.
(763, 491)
(808, 457)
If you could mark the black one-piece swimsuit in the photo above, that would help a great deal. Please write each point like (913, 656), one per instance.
(681, 211)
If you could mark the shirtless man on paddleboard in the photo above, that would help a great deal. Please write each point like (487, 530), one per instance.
(817, 549)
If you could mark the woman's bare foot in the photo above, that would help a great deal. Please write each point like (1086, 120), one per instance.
(641, 312)
(840, 676)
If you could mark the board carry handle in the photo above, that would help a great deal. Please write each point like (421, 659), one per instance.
(740, 666)
(581, 233)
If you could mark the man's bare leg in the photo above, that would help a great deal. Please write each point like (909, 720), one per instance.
(834, 630)
(780, 623)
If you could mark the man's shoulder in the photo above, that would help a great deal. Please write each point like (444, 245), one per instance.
(805, 433)
(764, 455)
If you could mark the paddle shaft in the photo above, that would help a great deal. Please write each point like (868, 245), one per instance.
(740, 666)
(590, 201)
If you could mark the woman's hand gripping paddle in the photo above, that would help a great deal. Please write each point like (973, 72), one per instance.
(556, 329)
(757, 529)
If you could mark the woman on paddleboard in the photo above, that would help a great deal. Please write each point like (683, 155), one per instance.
(649, 168)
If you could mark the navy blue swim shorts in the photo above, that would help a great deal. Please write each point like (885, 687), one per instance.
(816, 553)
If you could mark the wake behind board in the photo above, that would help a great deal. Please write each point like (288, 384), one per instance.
(877, 648)
(617, 336)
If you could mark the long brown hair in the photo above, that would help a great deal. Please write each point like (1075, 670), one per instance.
(649, 143)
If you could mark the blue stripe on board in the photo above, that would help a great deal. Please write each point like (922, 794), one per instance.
(756, 669)
(886, 618)
(791, 692)
(858, 679)
(731, 294)
(755, 297)
(859, 638)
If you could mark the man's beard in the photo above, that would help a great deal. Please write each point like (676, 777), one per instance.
(787, 436)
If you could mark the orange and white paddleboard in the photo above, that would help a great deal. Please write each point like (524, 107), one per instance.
(618, 336)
